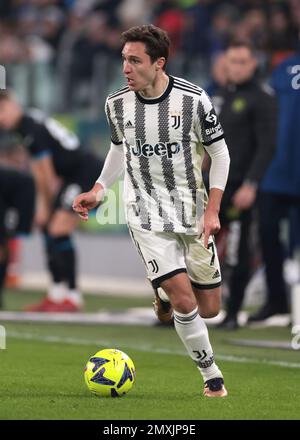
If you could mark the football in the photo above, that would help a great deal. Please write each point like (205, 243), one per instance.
(109, 373)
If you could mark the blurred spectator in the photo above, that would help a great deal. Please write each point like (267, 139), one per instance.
(91, 46)
(248, 117)
(281, 186)
(134, 12)
(5, 9)
(42, 34)
(295, 13)
(197, 26)
(223, 21)
(282, 35)
(219, 76)
(170, 18)
(17, 196)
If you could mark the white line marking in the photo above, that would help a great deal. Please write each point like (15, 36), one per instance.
(144, 348)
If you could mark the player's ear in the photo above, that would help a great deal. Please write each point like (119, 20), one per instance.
(160, 62)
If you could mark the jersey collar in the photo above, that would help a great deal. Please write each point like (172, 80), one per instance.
(160, 98)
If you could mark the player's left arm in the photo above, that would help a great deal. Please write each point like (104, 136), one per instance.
(218, 175)
(211, 135)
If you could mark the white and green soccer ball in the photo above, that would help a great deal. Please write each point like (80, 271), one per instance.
(109, 373)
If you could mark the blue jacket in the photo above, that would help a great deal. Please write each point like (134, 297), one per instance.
(283, 173)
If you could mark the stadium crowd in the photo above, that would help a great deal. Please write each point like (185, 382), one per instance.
(74, 44)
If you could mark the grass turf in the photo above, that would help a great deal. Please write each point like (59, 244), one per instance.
(42, 373)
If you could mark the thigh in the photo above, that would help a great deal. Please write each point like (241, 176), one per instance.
(202, 263)
(162, 254)
(20, 195)
(25, 206)
(209, 301)
(62, 223)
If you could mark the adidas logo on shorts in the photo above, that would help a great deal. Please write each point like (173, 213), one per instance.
(216, 274)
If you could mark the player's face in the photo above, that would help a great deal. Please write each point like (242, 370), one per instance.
(138, 68)
(240, 64)
(9, 113)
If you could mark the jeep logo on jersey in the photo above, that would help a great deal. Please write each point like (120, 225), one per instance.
(160, 149)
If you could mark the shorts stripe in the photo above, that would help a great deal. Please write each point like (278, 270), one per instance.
(156, 282)
(205, 286)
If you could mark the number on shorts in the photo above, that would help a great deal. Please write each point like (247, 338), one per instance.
(212, 247)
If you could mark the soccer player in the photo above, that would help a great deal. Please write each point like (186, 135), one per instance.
(62, 169)
(160, 126)
(17, 191)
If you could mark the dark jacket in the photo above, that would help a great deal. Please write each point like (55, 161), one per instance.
(248, 115)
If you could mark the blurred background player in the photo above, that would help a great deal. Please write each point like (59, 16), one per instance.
(13, 155)
(247, 112)
(62, 169)
(280, 188)
(17, 197)
(168, 211)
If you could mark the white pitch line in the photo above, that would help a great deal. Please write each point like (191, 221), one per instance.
(144, 348)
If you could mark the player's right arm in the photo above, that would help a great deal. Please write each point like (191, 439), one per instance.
(112, 169)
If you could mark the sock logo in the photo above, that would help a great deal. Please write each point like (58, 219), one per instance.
(200, 354)
(206, 364)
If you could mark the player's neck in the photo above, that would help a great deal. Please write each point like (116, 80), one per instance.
(157, 88)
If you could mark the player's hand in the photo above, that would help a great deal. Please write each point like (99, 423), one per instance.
(210, 224)
(84, 202)
(244, 197)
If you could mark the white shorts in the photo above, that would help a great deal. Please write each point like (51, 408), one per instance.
(166, 254)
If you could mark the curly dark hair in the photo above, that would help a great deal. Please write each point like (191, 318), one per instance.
(155, 39)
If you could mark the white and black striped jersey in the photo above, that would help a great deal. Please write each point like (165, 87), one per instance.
(163, 141)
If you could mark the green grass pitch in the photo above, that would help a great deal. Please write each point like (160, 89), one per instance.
(41, 375)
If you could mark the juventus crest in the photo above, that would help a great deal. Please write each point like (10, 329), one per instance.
(176, 120)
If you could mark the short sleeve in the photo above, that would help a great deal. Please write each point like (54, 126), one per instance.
(36, 139)
(208, 126)
(115, 132)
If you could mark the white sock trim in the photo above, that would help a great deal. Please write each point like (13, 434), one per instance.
(186, 315)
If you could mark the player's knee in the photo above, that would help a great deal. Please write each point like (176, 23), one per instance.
(208, 314)
(57, 229)
(180, 295)
(183, 303)
(209, 311)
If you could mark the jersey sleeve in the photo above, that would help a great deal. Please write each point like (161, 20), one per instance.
(36, 141)
(208, 126)
(115, 131)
